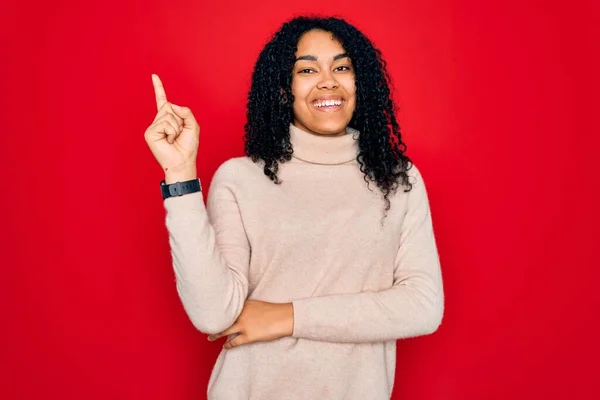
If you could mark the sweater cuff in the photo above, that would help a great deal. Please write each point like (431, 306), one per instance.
(181, 206)
(302, 320)
(299, 316)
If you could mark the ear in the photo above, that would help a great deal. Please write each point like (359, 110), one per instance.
(283, 98)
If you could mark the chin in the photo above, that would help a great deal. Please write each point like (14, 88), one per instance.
(328, 127)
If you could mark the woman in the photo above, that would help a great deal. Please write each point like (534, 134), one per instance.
(310, 272)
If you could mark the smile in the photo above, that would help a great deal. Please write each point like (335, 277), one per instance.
(328, 105)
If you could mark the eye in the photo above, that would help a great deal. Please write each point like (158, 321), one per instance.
(305, 70)
(346, 68)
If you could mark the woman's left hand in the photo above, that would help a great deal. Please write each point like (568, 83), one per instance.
(259, 322)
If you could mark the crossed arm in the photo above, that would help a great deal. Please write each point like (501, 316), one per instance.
(211, 260)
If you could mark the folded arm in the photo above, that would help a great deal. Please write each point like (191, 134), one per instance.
(413, 306)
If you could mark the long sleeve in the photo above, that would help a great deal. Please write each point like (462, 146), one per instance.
(210, 253)
(413, 306)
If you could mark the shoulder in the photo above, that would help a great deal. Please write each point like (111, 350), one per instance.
(235, 169)
(418, 192)
(417, 188)
(414, 174)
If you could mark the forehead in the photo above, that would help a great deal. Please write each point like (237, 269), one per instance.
(318, 42)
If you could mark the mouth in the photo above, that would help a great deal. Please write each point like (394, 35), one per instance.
(328, 104)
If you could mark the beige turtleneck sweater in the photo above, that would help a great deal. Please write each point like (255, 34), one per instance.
(317, 241)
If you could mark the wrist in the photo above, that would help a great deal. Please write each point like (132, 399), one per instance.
(181, 175)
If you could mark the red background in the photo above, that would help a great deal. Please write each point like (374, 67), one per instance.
(499, 107)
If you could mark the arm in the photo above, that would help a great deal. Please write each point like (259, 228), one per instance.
(210, 253)
(413, 306)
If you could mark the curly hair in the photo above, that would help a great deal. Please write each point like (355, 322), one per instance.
(269, 113)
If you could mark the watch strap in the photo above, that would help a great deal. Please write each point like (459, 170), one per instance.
(180, 188)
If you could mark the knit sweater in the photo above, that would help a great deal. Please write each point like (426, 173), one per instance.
(357, 282)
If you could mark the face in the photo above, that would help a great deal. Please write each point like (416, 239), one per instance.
(323, 85)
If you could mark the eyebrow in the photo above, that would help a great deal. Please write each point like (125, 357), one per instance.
(313, 58)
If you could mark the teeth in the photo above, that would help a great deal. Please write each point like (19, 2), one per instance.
(328, 103)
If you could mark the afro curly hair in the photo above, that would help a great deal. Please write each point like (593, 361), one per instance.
(381, 154)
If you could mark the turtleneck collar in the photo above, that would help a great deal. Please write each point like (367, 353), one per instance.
(324, 149)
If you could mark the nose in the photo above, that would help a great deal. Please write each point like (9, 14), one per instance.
(327, 81)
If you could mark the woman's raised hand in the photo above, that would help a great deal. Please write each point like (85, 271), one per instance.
(173, 137)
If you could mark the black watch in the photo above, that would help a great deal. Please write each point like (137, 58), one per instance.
(180, 188)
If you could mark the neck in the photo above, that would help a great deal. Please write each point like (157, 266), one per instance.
(324, 149)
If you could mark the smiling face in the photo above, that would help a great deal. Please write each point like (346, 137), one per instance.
(323, 85)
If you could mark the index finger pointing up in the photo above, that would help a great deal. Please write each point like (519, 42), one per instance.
(159, 91)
